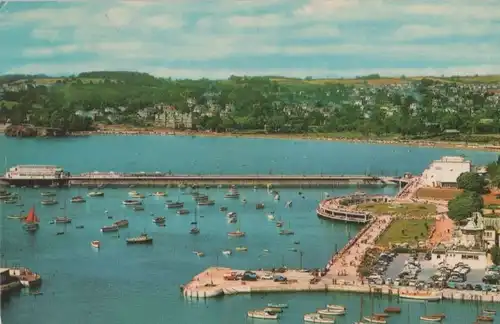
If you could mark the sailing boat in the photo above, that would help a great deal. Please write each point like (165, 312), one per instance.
(195, 229)
(237, 233)
(31, 221)
(287, 231)
(65, 219)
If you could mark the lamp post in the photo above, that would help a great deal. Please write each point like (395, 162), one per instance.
(301, 254)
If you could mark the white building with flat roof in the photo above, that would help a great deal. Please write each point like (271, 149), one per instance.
(445, 171)
(474, 259)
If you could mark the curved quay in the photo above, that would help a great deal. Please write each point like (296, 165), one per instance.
(332, 208)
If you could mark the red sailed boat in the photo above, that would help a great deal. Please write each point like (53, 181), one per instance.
(31, 221)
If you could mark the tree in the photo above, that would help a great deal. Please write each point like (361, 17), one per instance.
(495, 255)
(471, 181)
(463, 205)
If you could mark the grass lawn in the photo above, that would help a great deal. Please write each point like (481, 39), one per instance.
(412, 210)
(406, 231)
(8, 104)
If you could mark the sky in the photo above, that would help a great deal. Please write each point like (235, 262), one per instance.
(219, 38)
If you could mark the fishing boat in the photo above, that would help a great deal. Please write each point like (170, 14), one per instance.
(132, 193)
(273, 310)
(484, 318)
(317, 318)
(176, 204)
(31, 222)
(277, 305)
(141, 239)
(200, 197)
(489, 312)
(159, 220)
(96, 194)
(48, 194)
(421, 295)
(160, 194)
(182, 212)
(241, 249)
(227, 252)
(259, 206)
(95, 244)
(49, 202)
(223, 209)
(236, 233)
(199, 253)
(107, 229)
(331, 312)
(138, 208)
(137, 196)
(206, 203)
(262, 315)
(430, 318)
(232, 193)
(131, 202)
(270, 216)
(373, 319)
(231, 214)
(392, 310)
(62, 220)
(121, 223)
(78, 199)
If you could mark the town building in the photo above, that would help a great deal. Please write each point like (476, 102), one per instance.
(445, 171)
(170, 117)
(475, 259)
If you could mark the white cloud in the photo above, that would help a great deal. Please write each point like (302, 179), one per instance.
(318, 31)
(45, 34)
(269, 20)
(50, 51)
(409, 32)
(164, 22)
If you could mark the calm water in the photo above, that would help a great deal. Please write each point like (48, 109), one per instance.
(121, 284)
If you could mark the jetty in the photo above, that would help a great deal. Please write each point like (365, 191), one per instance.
(59, 178)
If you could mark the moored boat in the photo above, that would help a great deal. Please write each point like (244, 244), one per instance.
(48, 194)
(137, 196)
(112, 228)
(262, 315)
(10, 201)
(273, 310)
(223, 209)
(159, 220)
(431, 318)
(95, 244)
(317, 318)
(373, 319)
(62, 220)
(182, 212)
(206, 203)
(421, 295)
(489, 312)
(277, 305)
(232, 193)
(78, 199)
(484, 318)
(176, 204)
(121, 223)
(160, 194)
(199, 253)
(236, 233)
(132, 193)
(131, 202)
(227, 252)
(331, 312)
(27, 278)
(259, 206)
(49, 202)
(141, 239)
(338, 307)
(392, 309)
(96, 194)
(200, 197)
(31, 222)
(287, 232)
(138, 208)
(241, 248)
(231, 214)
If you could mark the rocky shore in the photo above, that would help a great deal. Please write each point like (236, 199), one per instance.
(32, 131)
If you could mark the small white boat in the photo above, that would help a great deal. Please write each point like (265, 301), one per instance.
(262, 315)
(276, 197)
(137, 196)
(132, 193)
(336, 307)
(96, 194)
(277, 305)
(227, 252)
(417, 295)
(95, 244)
(231, 214)
(159, 194)
(316, 318)
(331, 312)
(431, 318)
(199, 253)
(130, 202)
(270, 217)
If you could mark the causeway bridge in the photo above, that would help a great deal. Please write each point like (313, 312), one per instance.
(156, 180)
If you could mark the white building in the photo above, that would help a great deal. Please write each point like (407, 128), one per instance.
(444, 172)
(475, 259)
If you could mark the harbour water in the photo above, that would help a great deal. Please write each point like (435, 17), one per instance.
(127, 284)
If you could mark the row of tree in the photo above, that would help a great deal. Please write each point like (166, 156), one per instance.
(255, 103)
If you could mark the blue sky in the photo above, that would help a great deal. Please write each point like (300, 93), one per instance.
(217, 38)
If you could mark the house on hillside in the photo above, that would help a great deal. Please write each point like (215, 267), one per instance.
(169, 117)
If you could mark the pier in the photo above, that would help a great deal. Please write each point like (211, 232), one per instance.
(99, 179)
